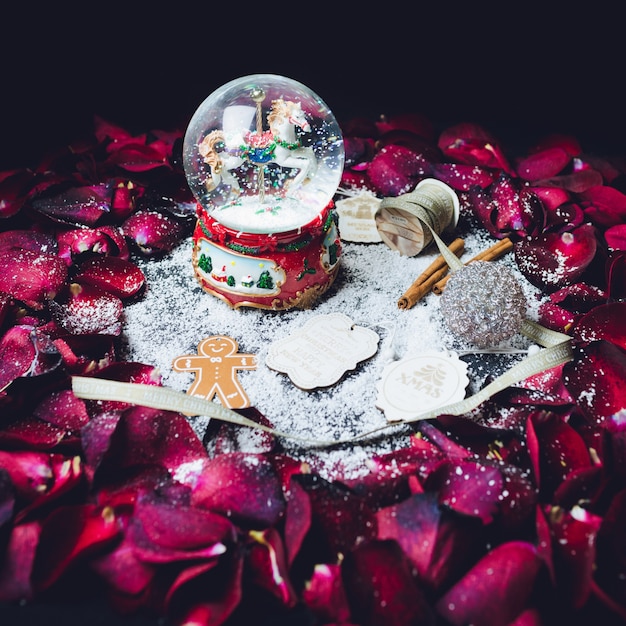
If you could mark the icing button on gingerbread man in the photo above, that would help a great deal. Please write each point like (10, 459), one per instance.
(215, 367)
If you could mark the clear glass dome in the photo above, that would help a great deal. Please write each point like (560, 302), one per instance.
(263, 154)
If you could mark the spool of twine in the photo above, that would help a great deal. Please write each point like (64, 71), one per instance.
(406, 223)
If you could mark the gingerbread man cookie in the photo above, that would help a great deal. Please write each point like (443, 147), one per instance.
(215, 367)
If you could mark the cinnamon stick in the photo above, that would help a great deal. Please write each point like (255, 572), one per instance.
(489, 254)
(433, 273)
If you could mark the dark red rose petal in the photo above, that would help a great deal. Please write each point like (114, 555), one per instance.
(67, 475)
(220, 595)
(15, 572)
(468, 487)
(6, 307)
(356, 180)
(396, 170)
(550, 382)
(147, 437)
(357, 150)
(445, 443)
(485, 210)
(126, 193)
(105, 130)
(543, 164)
(119, 245)
(244, 487)
(437, 542)
(17, 354)
(267, 566)
(336, 534)
(524, 395)
(410, 140)
(138, 157)
(463, 177)
(389, 475)
(96, 438)
(614, 447)
(615, 237)
(131, 372)
(69, 533)
(153, 232)
(123, 571)
(553, 260)
(552, 197)
(126, 372)
(297, 519)
(615, 274)
(325, 595)
(32, 277)
(611, 551)
(150, 552)
(609, 169)
(567, 143)
(506, 210)
(579, 297)
(25, 351)
(78, 205)
(566, 216)
(496, 590)
(117, 276)
(415, 123)
(33, 240)
(583, 485)
(574, 553)
(79, 241)
(565, 306)
(15, 186)
(30, 472)
(88, 310)
(577, 182)
(519, 211)
(473, 145)
(31, 433)
(556, 317)
(596, 378)
(62, 408)
(603, 322)
(605, 206)
(86, 354)
(169, 524)
(381, 588)
(556, 450)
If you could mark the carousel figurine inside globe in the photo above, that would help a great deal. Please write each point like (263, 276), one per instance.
(263, 156)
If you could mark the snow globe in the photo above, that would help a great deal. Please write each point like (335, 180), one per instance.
(263, 156)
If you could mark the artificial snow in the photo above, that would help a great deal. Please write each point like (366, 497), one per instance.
(175, 314)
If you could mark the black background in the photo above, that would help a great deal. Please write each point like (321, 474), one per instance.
(519, 69)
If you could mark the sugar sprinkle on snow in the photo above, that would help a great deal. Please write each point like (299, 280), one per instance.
(175, 314)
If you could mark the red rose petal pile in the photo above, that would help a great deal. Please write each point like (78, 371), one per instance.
(514, 515)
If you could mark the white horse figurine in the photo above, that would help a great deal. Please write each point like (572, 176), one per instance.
(226, 150)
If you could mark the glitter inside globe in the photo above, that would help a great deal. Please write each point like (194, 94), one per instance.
(483, 304)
